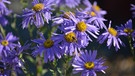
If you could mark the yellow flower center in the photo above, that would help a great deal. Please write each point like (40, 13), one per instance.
(89, 65)
(38, 7)
(71, 37)
(127, 30)
(4, 42)
(48, 43)
(81, 26)
(96, 8)
(91, 13)
(112, 31)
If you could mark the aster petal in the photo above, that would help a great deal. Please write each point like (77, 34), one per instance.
(102, 38)
(35, 2)
(3, 21)
(47, 16)
(48, 2)
(45, 57)
(129, 24)
(37, 20)
(48, 54)
(76, 66)
(117, 45)
(71, 49)
(39, 41)
(121, 42)
(73, 18)
(58, 20)
(114, 41)
(109, 41)
(93, 55)
(8, 2)
(25, 22)
(79, 61)
(38, 51)
(93, 72)
(9, 36)
(88, 4)
(78, 69)
(51, 54)
(7, 48)
(1, 48)
(58, 53)
(92, 34)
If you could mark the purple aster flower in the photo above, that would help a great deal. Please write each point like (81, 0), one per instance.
(49, 47)
(92, 18)
(94, 9)
(83, 30)
(40, 12)
(112, 37)
(94, 14)
(7, 43)
(3, 9)
(69, 42)
(127, 29)
(87, 64)
(133, 9)
(69, 3)
(12, 62)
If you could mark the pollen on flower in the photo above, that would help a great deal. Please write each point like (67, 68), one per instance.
(92, 13)
(81, 26)
(38, 7)
(70, 37)
(4, 42)
(66, 14)
(96, 8)
(48, 43)
(112, 31)
(128, 30)
(89, 65)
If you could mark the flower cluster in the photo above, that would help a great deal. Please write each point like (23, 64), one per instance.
(9, 54)
(75, 32)
(69, 33)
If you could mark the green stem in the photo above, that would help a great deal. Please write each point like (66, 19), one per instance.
(39, 67)
(53, 68)
(131, 47)
(2, 31)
